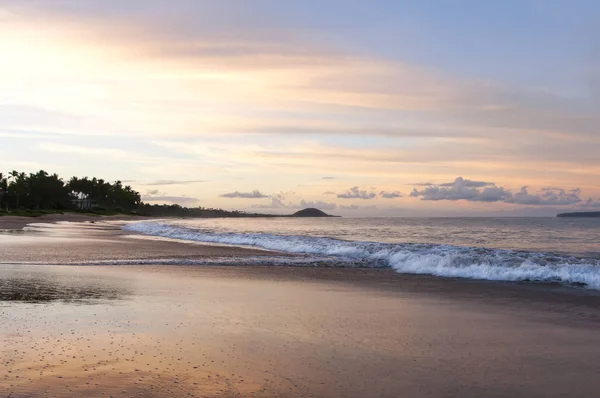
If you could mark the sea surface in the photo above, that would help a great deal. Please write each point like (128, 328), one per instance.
(511, 249)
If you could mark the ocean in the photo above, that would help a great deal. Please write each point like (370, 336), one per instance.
(556, 250)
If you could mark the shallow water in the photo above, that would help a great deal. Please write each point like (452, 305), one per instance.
(571, 236)
(513, 249)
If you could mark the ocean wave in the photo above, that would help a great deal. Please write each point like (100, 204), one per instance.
(439, 260)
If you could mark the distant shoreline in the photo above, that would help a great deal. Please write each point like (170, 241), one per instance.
(22, 219)
(18, 222)
(590, 214)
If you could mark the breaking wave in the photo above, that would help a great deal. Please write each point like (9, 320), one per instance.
(439, 260)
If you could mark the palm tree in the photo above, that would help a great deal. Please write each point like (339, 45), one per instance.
(18, 183)
(3, 188)
(81, 189)
(44, 191)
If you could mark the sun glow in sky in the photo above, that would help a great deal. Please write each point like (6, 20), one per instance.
(359, 108)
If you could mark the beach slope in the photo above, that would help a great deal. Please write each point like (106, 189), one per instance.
(166, 330)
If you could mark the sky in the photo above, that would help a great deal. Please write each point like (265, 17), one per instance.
(379, 108)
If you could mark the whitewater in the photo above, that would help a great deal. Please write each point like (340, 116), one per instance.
(327, 244)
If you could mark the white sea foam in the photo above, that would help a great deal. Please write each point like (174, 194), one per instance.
(440, 260)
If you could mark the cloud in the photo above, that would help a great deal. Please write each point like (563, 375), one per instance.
(172, 182)
(421, 184)
(283, 194)
(325, 75)
(328, 193)
(102, 152)
(275, 204)
(357, 207)
(390, 194)
(357, 193)
(461, 189)
(317, 204)
(172, 199)
(546, 197)
(591, 203)
(479, 191)
(256, 194)
(467, 183)
(278, 203)
(155, 195)
(328, 178)
(365, 194)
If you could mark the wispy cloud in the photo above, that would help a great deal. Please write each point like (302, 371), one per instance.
(256, 194)
(357, 193)
(277, 203)
(182, 200)
(546, 197)
(319, 204)
(390, 194)
(591, 203)
(466, 183)
(357, 207)
(158, 197)
(173, 182)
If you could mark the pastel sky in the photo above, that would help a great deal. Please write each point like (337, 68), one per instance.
(360, 108)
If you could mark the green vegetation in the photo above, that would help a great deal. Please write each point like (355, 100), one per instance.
(40, 193)
(146, 209)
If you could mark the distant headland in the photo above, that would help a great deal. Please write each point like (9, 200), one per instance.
(311, 212)
(580, 214)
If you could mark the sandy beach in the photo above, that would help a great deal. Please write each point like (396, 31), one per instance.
(249, 331)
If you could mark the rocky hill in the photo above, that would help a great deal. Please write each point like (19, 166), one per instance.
(311, 212)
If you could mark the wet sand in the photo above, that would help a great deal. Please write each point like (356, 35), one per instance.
(83, 242)
(18, 222)
(176, 331)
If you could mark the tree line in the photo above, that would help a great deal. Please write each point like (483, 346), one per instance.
(174, 210)
(43, 191)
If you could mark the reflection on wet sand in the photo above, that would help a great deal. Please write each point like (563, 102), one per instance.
(39, 289)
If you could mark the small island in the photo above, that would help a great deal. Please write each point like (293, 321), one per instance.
(311, 212)
(580, 214)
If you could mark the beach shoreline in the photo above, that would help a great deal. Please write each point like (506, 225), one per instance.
(63, 241)
(161, 330)
(77, 241)
(16, 223)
